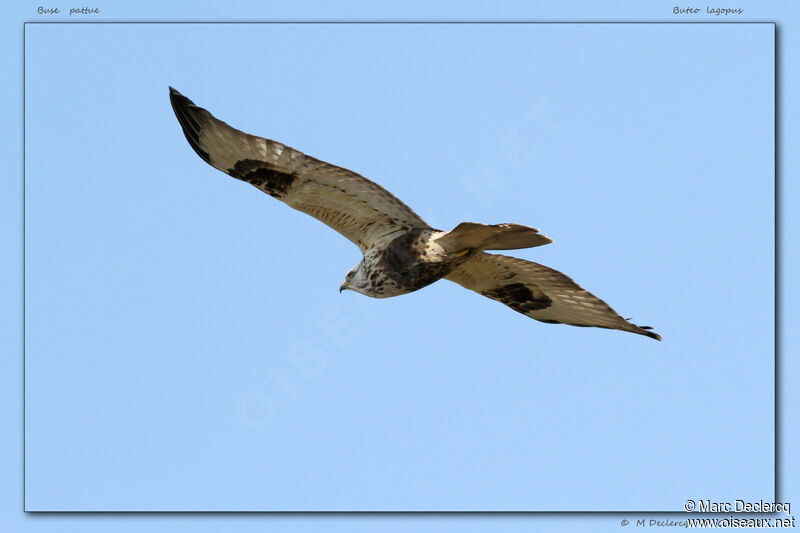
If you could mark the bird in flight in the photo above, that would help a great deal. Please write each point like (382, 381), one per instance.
(401, 252)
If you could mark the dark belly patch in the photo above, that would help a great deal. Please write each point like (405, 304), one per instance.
(403, 265)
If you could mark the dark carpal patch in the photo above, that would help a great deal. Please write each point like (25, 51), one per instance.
(519, 298)
(264, 176)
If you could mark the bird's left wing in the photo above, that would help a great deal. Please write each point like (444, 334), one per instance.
(539, 292)
(356, 207)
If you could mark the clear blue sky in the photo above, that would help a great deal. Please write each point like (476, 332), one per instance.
(187, 348)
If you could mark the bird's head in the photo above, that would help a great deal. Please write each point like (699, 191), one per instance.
(356, 279)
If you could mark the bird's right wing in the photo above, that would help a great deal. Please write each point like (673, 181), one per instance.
(540, 293)
(356, 207)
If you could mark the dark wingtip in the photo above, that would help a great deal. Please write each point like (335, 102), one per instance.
(186, 112)
(174, 94)
(177, 99)
(651, 334)
(645, 330)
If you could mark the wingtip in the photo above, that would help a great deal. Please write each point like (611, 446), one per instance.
(176, 97)
(191, 120)
(180, 104)
(651, 334)
(644, 330)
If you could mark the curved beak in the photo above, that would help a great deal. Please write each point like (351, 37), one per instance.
(342, 287)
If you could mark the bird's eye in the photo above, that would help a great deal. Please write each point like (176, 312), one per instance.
(350, 275)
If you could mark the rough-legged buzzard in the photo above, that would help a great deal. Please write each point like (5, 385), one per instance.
(401, 252)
